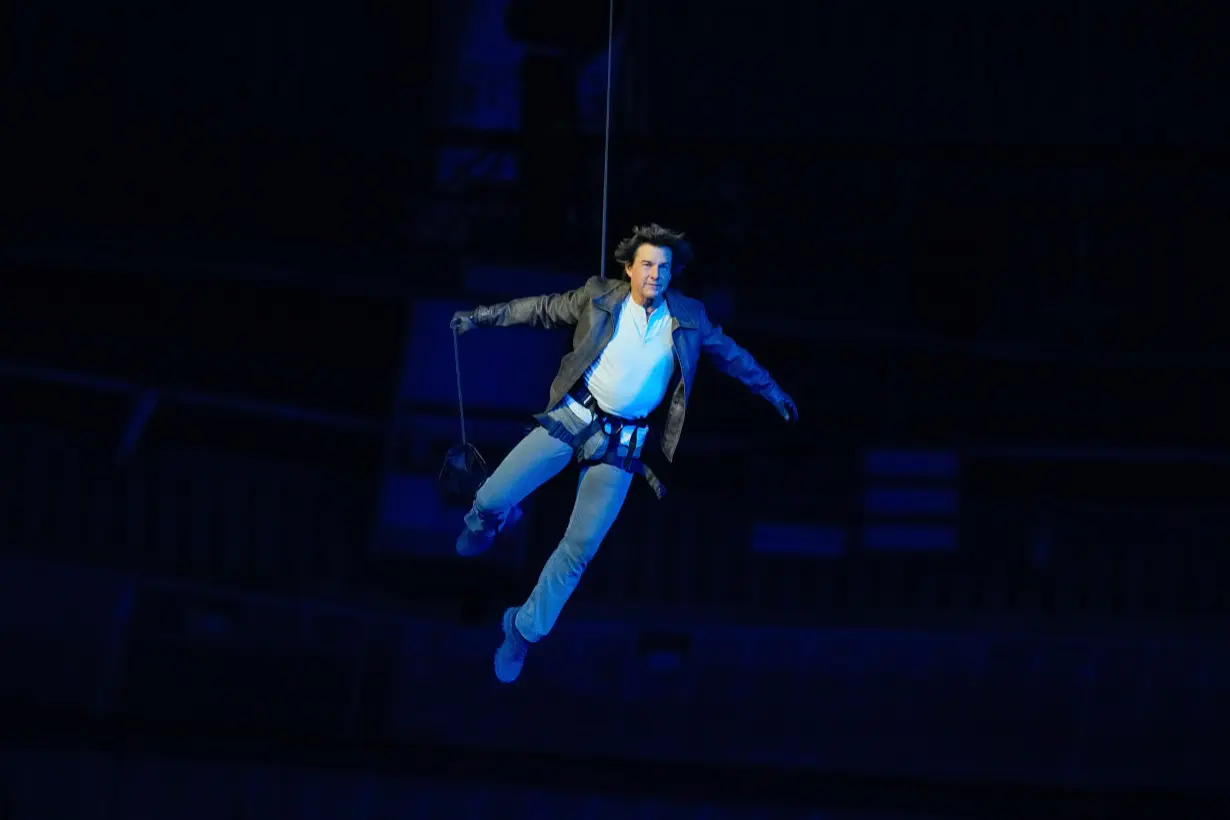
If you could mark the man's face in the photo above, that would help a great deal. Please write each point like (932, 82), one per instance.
(650, 273)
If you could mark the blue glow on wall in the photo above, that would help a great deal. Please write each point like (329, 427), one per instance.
(455, 163)
(410, 502)
(915, 501)
(798, 539)
(504, 282)
(503, 369)
(910, 464)
(487, 92)
(910, 538)
(910, 500)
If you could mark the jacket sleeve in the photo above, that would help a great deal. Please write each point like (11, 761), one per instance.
(734, 361)
(551, 311)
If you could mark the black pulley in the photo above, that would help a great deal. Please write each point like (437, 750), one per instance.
(464, 469)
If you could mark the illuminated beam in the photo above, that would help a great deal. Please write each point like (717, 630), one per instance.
(143, 407)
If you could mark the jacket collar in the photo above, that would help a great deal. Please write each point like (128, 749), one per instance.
(681, 307)
(614, 294)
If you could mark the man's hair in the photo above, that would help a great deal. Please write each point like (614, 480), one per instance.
(654, 234)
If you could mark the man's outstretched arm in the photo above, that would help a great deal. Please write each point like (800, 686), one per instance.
(737, 363)
(551, 311)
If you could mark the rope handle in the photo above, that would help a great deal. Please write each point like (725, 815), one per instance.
(606, 177)
(461, 408)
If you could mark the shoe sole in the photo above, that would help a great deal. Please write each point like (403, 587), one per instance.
(469, 553)
(507, 623)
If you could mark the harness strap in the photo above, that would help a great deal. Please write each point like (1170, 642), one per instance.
(583, 397)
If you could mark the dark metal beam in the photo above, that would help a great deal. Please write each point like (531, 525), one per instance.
(26, 725)
(349, 279)
(198, 398)
(632, 146)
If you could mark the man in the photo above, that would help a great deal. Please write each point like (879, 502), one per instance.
(635, 344)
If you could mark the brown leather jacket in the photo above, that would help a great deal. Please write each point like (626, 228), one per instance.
(593, 308)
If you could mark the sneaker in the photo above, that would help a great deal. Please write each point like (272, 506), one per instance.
(471, 543)
(510, 657)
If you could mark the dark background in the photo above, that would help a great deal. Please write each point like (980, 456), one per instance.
(982, 245)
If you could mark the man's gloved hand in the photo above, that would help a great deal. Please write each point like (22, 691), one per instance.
(784, 404)
(462, 322)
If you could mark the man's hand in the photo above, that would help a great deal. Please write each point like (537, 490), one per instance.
(785, 405)
(462, 322)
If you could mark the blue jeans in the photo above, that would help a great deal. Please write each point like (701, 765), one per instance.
(600, 495)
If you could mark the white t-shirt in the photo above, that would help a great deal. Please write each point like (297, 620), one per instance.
(631, 375)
